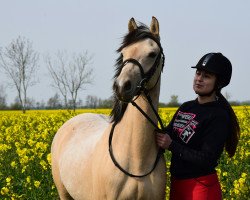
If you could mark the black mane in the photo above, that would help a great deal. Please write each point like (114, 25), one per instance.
(138, 34)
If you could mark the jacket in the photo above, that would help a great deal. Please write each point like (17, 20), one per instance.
(198, 132)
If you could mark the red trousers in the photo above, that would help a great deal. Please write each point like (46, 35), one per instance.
(201, 188)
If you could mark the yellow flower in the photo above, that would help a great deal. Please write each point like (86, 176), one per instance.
(13, 164)
(37, 184)
(236, 191)
(43, 164)
(241, 181)
(8, 179)
(31, 142)
(24, 160)
(4, 191)
(28, 179)
(224, 174)
(244, 175)
(218, 171)
(24, 169)
(49, 158)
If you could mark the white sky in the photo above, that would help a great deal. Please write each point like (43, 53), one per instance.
(189, 29)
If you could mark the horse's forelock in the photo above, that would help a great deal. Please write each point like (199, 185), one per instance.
(136, 35)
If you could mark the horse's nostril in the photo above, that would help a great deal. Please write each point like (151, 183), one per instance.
(127, 86)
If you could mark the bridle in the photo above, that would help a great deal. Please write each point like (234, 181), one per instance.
(145, 76)
(142, 89)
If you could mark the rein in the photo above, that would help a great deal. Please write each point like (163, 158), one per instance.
(120, 167)
(145, 78)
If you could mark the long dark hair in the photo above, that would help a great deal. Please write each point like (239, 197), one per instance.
(233, 139)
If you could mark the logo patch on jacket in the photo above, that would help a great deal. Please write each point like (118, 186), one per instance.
(185, 125)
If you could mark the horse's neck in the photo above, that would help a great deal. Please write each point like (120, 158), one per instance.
(135, 138)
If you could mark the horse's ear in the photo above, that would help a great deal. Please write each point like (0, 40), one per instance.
(154, 27)
(132, 25)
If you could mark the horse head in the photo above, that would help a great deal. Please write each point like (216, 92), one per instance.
(139, 65)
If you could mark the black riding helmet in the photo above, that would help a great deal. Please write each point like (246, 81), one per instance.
(218, 64)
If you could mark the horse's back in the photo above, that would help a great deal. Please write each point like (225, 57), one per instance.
(80, 128)
(73, 146)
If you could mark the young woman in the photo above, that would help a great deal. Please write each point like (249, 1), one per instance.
(199, 131)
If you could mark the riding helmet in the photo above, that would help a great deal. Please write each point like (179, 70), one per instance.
(218, 64)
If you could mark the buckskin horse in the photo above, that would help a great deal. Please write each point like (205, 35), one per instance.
(98, 157)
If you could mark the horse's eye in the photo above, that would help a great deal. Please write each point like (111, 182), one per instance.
(152, 55)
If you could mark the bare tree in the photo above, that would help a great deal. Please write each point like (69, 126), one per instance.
(70, 75)
(173, 101)
(91, 101)
(58, 76)
(54, 102)
(19, 61)
(3, 96)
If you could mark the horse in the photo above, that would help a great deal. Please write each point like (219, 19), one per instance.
(97, 157)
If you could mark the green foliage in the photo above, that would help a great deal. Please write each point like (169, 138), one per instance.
(25, 139)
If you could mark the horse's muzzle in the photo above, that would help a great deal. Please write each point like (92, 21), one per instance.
(125, 92)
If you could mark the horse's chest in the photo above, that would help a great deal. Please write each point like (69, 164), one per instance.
(136, 190)
(132, 188)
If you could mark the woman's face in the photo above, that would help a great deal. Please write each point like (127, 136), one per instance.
(204, 82)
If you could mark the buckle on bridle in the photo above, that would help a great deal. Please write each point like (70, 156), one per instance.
(142, 84)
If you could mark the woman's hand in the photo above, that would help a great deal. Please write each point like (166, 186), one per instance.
(163, 140)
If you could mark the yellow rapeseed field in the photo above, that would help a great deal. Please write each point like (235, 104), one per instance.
(25, 161)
